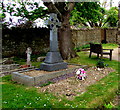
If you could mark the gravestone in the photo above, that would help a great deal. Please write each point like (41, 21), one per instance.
(53, 60)
(29, 52)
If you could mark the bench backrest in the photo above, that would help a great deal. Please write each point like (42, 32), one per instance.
(96, 48)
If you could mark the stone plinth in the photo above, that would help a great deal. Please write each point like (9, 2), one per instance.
(37, 79)
(53, 61)
(53, 66)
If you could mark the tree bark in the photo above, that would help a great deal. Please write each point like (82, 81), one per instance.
(66, 45)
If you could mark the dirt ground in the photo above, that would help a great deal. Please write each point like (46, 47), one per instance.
(72, 86)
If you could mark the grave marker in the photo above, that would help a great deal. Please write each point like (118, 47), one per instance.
(29, 52)
(53, 60)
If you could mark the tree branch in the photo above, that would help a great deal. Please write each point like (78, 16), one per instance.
(52, 8)
(71, 6)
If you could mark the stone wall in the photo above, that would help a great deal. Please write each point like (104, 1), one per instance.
(111, 35)
(15, 41)
(85, 36)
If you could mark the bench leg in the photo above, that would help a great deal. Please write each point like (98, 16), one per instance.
(110, 57)
(97, 55)
(90, 54)
(101, 56)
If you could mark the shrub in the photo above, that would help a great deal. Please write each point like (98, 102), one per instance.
(82, 47)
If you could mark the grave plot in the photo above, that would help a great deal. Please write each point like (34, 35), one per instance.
(72, 86)
(34, 77)
(8, 69)
(7, 66)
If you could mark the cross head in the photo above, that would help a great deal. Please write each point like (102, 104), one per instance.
(54, 22)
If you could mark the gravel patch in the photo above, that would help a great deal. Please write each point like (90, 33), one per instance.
(38, 72)
(68, 86)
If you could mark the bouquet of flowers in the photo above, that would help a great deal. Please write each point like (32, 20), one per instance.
(81, 74)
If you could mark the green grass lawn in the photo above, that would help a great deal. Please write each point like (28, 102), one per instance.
(105, 46)
(109, 46)
(19, 96)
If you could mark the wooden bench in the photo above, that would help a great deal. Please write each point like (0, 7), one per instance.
(97, 48)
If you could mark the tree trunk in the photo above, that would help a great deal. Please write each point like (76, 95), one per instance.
(63, 10)
(66, 45)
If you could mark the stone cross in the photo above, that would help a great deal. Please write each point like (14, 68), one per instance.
(53, 60)
(29, 52)
(54, 24)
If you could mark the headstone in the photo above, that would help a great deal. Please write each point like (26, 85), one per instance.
(53, 60)
(40, 59)
(29, 52)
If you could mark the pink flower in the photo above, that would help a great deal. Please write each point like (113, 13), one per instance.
(81, 69)
(81, 74)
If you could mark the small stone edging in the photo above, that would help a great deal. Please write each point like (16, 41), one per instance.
(15, 70)
(32, 81)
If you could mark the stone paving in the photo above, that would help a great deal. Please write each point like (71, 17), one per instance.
(115, 54)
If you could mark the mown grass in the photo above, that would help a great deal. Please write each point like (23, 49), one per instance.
(105, 46)
(19, 96)
(109, 46)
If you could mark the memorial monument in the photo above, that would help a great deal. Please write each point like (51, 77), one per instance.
(53, 60)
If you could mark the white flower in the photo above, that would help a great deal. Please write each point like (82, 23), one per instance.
(78, 72)
(44, 104)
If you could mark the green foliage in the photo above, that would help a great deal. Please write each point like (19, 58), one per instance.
(112, 17)
(34, 56)
(36, 12)
(108, 106)
(92, 13)
(25, 9)
(101, 64)
(82, 47)
(36, 64)
(88, 12)
(19, 60)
